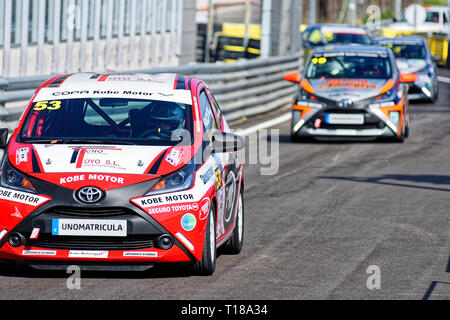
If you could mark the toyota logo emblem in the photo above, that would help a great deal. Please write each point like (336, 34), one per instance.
(89, 194)
(346, 103)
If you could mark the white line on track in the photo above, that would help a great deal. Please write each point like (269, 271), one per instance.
(264, 125)
(443, 79)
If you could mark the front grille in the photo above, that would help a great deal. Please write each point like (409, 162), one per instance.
(370, 121)
(94, 243)
(353, 127)
(90, 212)
(413, 89)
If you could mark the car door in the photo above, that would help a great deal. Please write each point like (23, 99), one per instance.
(218, 161)
(230, 169)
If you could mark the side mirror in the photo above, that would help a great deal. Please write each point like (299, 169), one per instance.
(3, 138)
(227, 142)
(292, 77)
(408, 78)
(436, 58)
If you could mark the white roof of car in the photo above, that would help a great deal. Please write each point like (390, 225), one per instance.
(115, 85)
(345, 30)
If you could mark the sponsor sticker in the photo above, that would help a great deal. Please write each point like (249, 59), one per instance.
(140, 254)
(35, 233)
(146, 202)
(39, 253)
(91, 177)
(174, 208)
(174, 157)
(88, 254)
(22, 197)
(22, 155)
(207, 175)
(78, 227)
(188, 222)
(356, 83)
(218, 179)
(204, 209)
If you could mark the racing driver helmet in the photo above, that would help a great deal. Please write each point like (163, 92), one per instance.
(167, 116)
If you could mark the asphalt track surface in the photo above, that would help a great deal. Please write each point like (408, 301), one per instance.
(313, 229)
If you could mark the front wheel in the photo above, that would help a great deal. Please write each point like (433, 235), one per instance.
(207, 265)
(407, 127)
(7, 265)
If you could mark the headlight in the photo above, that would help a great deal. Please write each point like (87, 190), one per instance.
(424, 77)
(11, 178)
(386, 95)
(304, 95)
(178, 181)
(394, 116)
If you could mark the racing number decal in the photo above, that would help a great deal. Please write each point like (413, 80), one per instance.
(50, 105)
(321, 60)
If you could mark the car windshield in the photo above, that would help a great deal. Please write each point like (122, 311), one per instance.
(346, 38)
(409, 51)
(107, 120)
(349, 67)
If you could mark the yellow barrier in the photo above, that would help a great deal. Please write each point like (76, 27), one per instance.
(232, 36)
(439, 47)
(237, 30)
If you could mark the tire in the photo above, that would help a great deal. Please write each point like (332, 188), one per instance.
(234, 245)
(407, 128)
(436, 95)
(207, 265)
(295, 138)
(7, 265)
(401, 138)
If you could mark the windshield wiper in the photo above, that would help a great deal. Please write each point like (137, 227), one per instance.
(67, 141)
(97, 141)
(50, 141)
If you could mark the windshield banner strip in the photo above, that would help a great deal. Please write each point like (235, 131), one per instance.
(177, 96)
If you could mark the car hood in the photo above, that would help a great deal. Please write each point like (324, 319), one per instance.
(115, 159)
(340, 89)
(410, 65)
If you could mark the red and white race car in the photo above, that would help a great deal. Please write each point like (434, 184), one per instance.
(121, 170)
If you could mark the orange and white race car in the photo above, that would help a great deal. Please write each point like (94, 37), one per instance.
(351, 92)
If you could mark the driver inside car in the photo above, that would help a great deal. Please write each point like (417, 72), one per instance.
(161, 119)
(167, 117)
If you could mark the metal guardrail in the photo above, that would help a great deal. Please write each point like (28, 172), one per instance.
(244, 88)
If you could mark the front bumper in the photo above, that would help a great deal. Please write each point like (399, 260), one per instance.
(421, 91)
(363, 133)
(313, 124)
(141, 243)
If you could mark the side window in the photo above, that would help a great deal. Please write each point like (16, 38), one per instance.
(305, 34)
(209, 123)
(216, 109)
